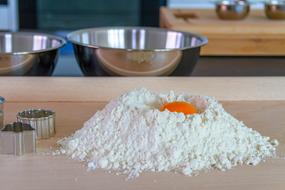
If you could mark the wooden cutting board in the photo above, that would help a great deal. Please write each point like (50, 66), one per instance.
(254, 36)
(259, 102)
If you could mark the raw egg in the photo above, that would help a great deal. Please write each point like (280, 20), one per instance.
(179, 107)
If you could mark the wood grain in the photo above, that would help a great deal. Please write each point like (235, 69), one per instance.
(37, 89)
(253, 36)
(43, 171)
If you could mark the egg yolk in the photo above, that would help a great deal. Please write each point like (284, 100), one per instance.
(180, 107)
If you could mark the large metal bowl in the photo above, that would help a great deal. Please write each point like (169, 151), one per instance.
(30, 54)
(136, 51)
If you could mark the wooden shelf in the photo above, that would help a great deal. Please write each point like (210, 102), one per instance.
(253, 36)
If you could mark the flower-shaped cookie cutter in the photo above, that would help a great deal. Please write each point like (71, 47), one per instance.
(43, 121)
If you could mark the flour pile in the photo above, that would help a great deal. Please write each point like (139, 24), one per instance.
(131, 135)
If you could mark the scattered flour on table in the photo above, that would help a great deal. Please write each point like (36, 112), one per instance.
(131, 135)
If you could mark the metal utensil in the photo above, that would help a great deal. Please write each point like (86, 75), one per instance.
(232, 9)
(43, 121)
(23, 53)
(136, 51)
(17, 138)
(275, 9)
(2, 101)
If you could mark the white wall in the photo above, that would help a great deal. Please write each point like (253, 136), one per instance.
(4, 17)
(9, 16)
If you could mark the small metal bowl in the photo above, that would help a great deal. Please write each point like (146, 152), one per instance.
(31, 54)
(275, 9)
(232, 10)
(136, 51)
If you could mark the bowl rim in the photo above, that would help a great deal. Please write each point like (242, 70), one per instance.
(279, 3)
(204, 39)
(231, 3)
(61, 40)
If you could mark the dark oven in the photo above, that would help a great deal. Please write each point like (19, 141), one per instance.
(64, 15)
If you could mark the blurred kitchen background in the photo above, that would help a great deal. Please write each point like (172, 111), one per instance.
(62, 16)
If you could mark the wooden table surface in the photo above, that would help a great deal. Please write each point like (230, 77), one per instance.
(259, 102)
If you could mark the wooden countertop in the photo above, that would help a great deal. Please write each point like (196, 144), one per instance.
(258, 101)
(19, 89)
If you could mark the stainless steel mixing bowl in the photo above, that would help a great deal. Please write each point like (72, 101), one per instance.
(232, 9)
(31, 54)
(136, 51)
(275, 9)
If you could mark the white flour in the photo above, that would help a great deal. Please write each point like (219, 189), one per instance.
(130, 135)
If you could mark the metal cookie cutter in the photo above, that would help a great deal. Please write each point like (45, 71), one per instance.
(2, 101)
(17, 138)
(43, 121)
